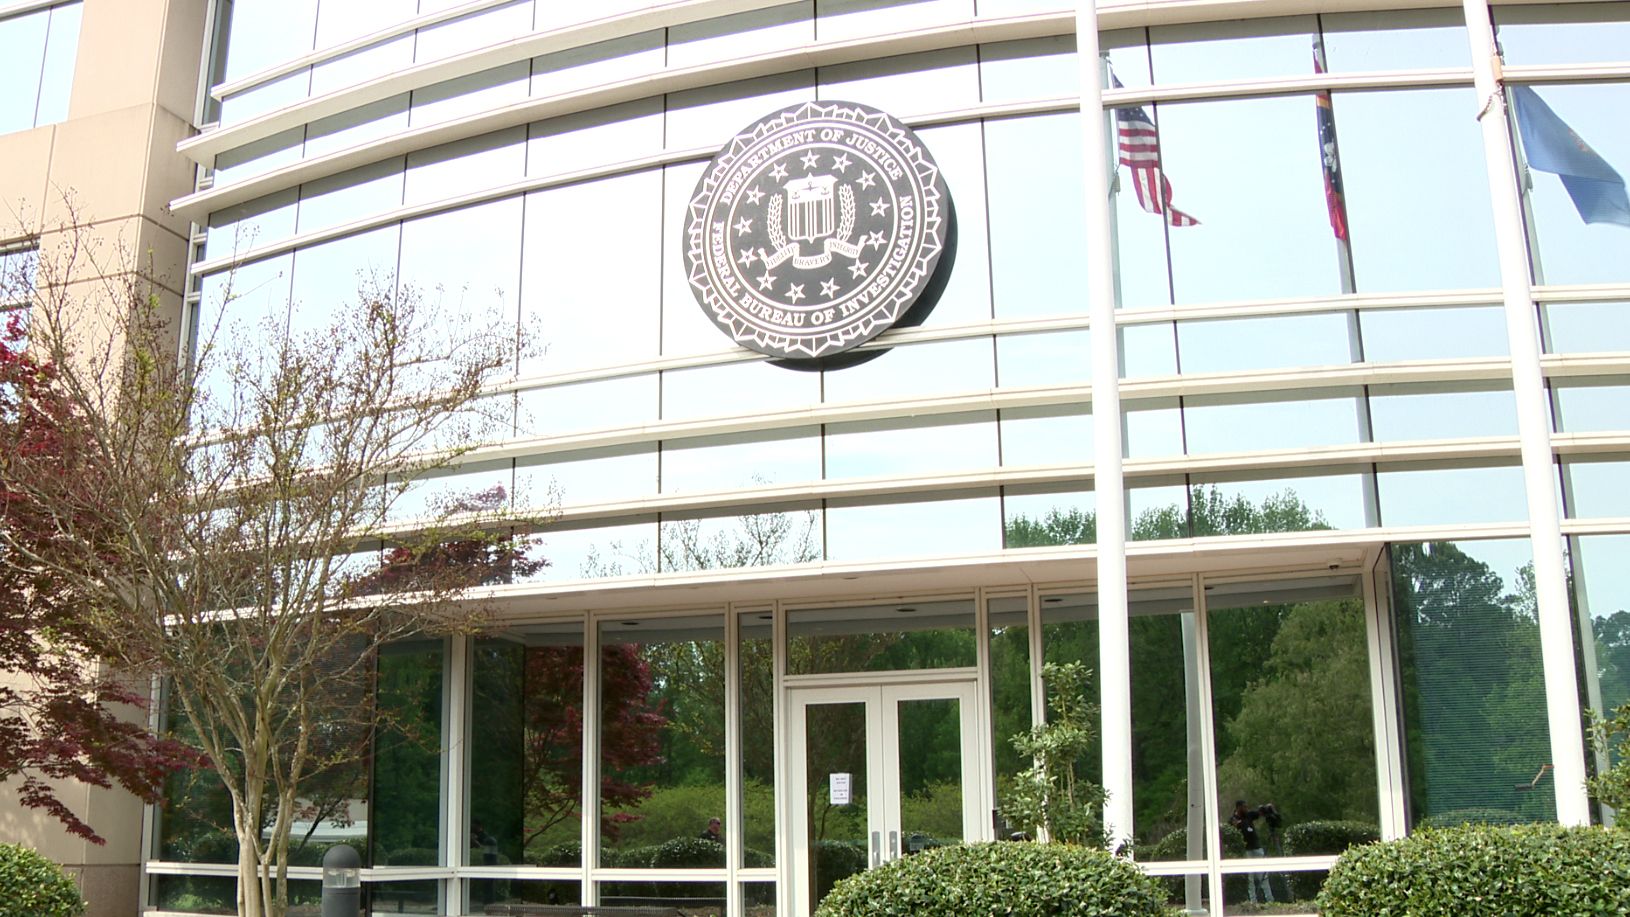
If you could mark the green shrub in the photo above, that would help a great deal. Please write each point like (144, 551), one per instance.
(837, 860)
(1005, 878)
(1473, 816)
(1477, 870)
(1312, 838)
(687, 852)
(33, 886)
(1315, 838)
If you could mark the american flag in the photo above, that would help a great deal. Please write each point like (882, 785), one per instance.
(1140, 151)
(1335, 198)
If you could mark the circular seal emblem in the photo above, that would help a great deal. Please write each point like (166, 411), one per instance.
(815, 229)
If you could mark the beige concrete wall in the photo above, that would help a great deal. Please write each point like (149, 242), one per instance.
(110, 168)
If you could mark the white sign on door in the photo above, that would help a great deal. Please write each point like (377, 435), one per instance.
(840, 792)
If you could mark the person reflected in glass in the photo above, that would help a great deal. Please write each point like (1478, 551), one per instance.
(1245, 818)
(481, 839)
(714, 831)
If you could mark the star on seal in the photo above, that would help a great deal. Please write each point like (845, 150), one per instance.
(801, 195)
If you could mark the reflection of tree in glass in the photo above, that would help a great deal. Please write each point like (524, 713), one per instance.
(1474, 701)
(1209, 512)
(754, 540)
(835, 744)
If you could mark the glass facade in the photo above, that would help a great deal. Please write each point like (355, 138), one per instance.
(1323, 388)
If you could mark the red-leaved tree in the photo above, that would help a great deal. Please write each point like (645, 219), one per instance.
(60, 711)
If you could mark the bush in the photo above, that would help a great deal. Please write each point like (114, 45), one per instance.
(1006, 878)
(686, 852)
(1477, 870)
(1474, 816)
(33, 886)
(1315, 838)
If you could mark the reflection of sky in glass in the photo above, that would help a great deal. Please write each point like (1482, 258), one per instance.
(621, 472)
(1584, 327)
(913, 446)
(1057, 358)
(1337, 499)
(1232, 424)
(1391, 335)
(1404, 412)
(1046, 436)
(1395, 40)
(1248, 170)
(1571, 34)
(1281, 342)
(1452, 496)
(1237, 50)
(742, 460)
(958, 525)
(1037, 219)
(1419, 215)
(1597, 489)
(1583, 408)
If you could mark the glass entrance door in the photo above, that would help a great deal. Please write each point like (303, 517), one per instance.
(878, 772)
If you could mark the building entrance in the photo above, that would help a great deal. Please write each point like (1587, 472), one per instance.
(879, 771)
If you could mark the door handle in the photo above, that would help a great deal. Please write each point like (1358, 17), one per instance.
(894, 846)
(877, 845)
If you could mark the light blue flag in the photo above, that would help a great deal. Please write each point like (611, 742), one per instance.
(1552, 146)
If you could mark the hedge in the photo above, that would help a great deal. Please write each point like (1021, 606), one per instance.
(33, 886)
(1012, 879)
(1485, 871)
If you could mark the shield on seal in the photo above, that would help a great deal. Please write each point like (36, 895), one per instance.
(810, 214)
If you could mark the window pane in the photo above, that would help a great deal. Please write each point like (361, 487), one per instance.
(607, 403)
(1055, 358)
(1289, 660)
(1236, 50)
(741, 460)
(577, 281)
(1442, 411)
(1010, 677)
(752, 387)
(1564, 34)
(1168, 754)
(1591, 405)
(1416, 222)
(1046, 436)
(1281, 342)
(407, 756)
(911, 446)
(61, 51)
(1267, 237)
(881, 638)
(22, 49)
(623, 549)
(1395, 40)
(953, 524)
(587, 476)
(526, 758)
(1239, 423)
(1474, 690)
(1601, 581)
(1032, 69)
(1227, 506)
(758, 728)
(792, 536)
(1391, 335)
(916, 371)
(485, 892)
(1417, 495)
(1037, 246)
(661, 739)
(1041, 517)
(1585, 327)
(1596, 487)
